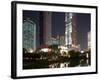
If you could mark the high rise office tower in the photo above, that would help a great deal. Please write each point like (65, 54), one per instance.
(70, 30)
(47, 24)
(29, 34)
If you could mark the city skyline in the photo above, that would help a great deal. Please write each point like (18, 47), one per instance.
(58, 24)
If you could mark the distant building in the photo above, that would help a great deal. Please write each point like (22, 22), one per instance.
(53, 41)
(47, 24)
(29, 34)
(70, 30)
(89, 40)
(61, 40)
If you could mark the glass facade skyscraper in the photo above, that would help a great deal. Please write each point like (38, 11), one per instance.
(29, 34)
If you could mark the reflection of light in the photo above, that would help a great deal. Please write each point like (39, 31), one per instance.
(82, 51)
(63, 65)
(30, 51)
(63, 50)
(87, 55)
(45, 50)
(87, 61)
(25, 51)
(55, 65)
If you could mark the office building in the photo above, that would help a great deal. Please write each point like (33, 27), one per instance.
(29, 35)
(47, 25)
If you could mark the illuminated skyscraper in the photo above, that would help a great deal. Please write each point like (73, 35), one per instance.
(29, 35)
(70, 30)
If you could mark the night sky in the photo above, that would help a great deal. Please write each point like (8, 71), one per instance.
(58, 25)
(82, 24)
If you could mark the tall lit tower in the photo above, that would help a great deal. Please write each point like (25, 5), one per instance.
(47, 16)
(29, 34)
(89, 40)
(70, 30)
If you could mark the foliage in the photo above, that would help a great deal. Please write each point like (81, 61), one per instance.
(53, 47)
(74, 54)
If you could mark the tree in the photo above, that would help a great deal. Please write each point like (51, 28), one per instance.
(74, 54)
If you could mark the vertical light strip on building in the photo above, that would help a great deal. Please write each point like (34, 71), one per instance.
(70, 30)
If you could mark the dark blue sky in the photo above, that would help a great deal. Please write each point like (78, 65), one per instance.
(82, 24)
(58, 24)
(83, 27)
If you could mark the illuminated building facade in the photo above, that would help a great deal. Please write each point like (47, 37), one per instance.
(89, 40)
(29, 34)
(61, 40)
(36, 29)
(70, 30)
